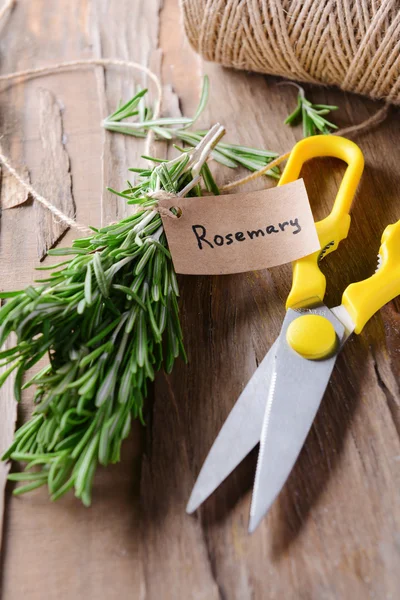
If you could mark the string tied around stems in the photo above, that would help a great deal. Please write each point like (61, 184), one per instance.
(162, 210)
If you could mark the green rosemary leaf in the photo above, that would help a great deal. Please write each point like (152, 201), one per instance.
(152, 159)
(103, 349)
(66, 251)
(125, 389)
(308, 128)
(18, 382)
(39, 458)
(131, 319)
(87, 390)
(62, 490)
(145, 259)
(209, 180)
(26, 476)
(121, 128)
(141, 171)
(10, 352)
(83, 470)
(4, 295)
(8, 372)
(100, 275)
(104, 441)
(137, 127)
(58, 474)
(141, 340)
(152, 321)
(88, 285)
(128, 108)
(250, 152)
(30, 486)
(224, 160)
(295, 115)
(128, 196)
(203, 100)
(328, 107)
(311, 115)
(130, 293)
(162, 132)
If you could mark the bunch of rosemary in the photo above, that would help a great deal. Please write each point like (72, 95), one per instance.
(108, 319)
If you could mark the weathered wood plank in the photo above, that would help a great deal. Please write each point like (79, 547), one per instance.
(114, 34)
(55, 174)
(36, 531)
(12, 192)
(7, 426)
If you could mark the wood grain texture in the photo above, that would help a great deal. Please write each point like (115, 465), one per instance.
(55, 174)
(7, 426)
(12, 192)
(334, 531)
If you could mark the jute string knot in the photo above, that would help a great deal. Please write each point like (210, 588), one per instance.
(162, 210)
(354, 44)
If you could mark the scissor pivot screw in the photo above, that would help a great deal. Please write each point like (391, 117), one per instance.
(312, 336)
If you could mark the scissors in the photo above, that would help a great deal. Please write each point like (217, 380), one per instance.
(279, 403)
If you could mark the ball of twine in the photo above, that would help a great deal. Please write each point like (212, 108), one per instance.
(354, 44)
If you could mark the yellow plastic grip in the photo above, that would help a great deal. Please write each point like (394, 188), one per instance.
(365, 298)
(308, 281)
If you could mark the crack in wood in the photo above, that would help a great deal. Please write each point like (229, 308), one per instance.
(12, 194)
(55, 180)
(391, 400)
(213, 564)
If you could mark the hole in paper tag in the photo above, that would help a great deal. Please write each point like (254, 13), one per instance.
(217, 235)
(177, 211)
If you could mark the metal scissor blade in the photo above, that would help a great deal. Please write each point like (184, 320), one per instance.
(298, 386)
(238, 436)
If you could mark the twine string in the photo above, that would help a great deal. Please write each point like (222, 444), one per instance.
(277, 161)
(63, 66)
(162, 210)
(354, 44)
(42, 200)
(103, 62)
(362, 127)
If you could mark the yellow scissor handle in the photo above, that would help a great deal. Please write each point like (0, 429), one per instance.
(365, 298)
(308, 281)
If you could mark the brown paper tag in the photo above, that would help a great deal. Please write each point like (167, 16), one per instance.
(234, 233)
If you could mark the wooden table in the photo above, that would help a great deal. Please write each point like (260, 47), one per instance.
(335, 530)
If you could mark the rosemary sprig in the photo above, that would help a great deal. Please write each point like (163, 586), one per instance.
(312, 116)
(108, 320)
(141, 121)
